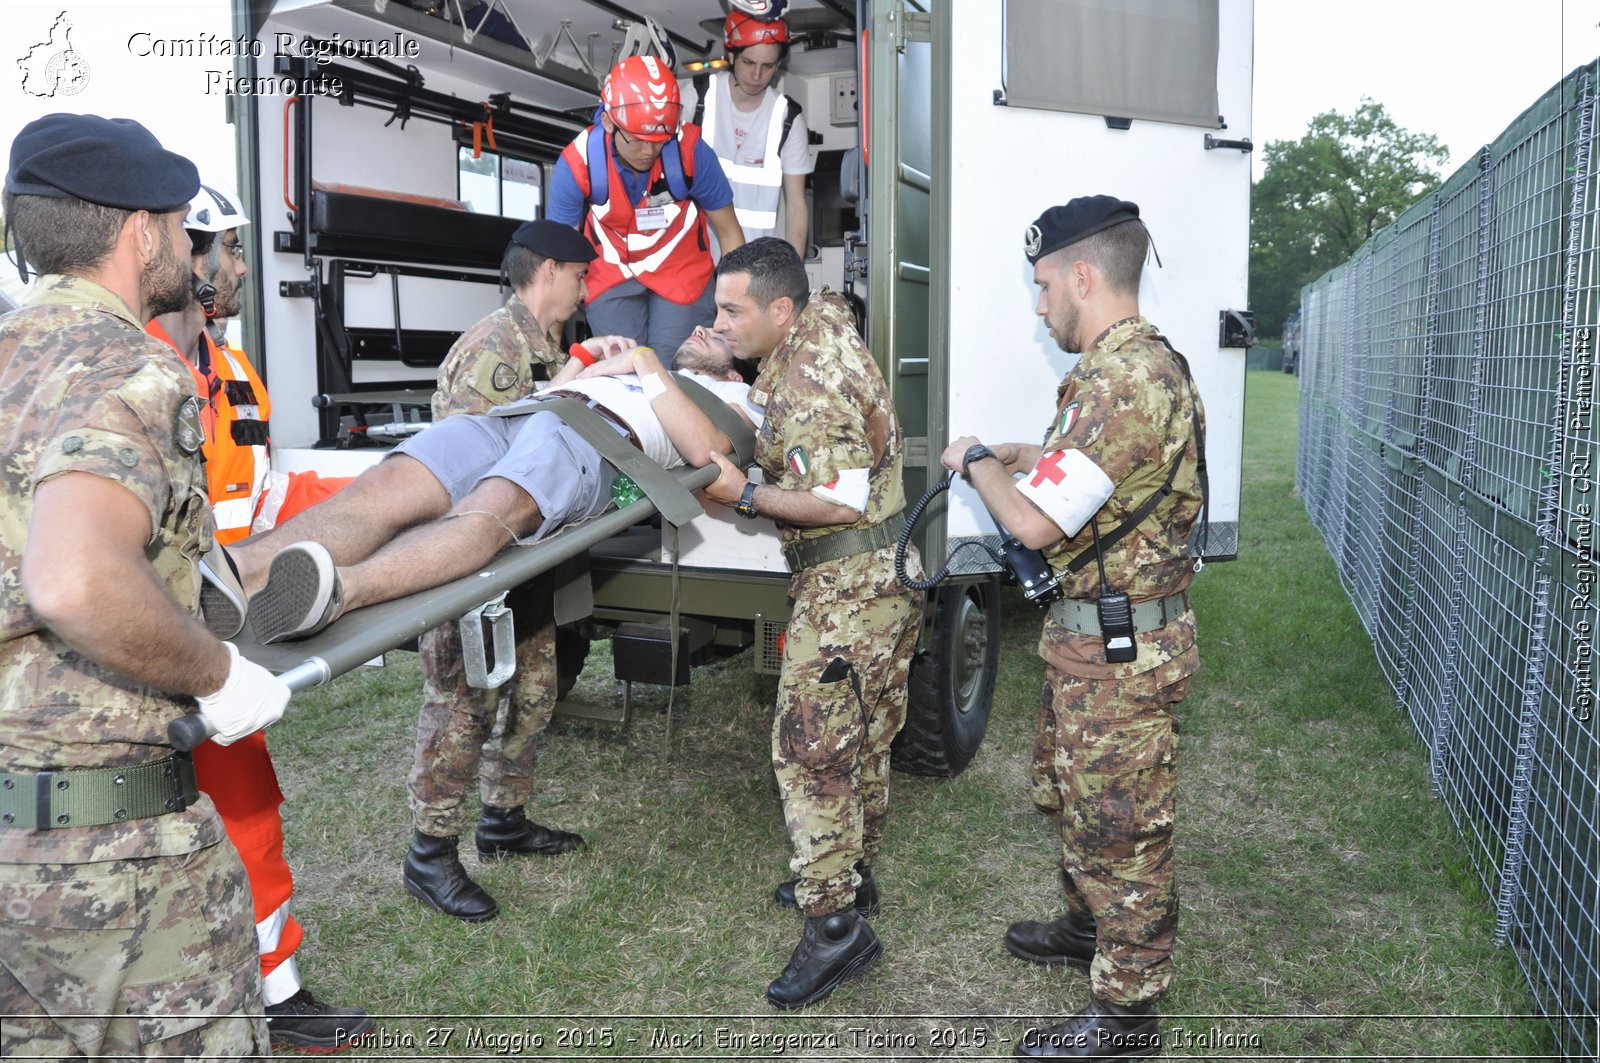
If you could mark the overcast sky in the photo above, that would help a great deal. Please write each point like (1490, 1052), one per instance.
(1460, 69)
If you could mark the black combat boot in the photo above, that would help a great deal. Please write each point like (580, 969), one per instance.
(1102, 1030)
(434, 875)
(866, 893)
(832, 948)
(508, 832)
(303, 1022)
(1069, 940)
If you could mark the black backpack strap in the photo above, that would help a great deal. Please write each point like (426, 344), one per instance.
(1154, 500)
(1200, 443)
(790, 113)
(1106, 542)
(701, 83)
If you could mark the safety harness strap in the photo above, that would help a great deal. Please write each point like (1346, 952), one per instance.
(739, 434)
(675, 504)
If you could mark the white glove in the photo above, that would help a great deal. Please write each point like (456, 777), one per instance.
(249, 700)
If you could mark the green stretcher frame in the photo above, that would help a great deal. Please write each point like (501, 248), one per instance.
(364, 634)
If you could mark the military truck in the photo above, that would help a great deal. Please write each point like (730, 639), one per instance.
(387, 149)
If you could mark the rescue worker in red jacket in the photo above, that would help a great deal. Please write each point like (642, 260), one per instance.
(643, 189)
(240, 778)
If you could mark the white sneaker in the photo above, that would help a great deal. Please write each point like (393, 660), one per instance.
(222, 600)
(302, 595)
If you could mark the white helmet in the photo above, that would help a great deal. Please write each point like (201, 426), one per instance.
(214, 209)
(765, 10)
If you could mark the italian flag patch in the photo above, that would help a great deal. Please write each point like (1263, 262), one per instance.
(797, 460)
(1069, 417)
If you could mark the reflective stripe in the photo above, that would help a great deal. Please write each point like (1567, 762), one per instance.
(661, 260)
(234, 512)
(756, 219)
(744, 173)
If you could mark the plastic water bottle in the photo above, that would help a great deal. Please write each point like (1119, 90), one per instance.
(624, 492)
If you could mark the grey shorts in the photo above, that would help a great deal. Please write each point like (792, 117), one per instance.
(565, 476)
(631, 309)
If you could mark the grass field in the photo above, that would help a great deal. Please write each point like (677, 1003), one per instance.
(1327, 911)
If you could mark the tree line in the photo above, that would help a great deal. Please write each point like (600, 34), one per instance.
(1322, 196)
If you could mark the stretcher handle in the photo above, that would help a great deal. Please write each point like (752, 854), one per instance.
(189, 730)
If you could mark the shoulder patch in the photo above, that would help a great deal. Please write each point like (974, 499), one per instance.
(1069, 417)
(797, 460)
(187, 431)
(504, 378)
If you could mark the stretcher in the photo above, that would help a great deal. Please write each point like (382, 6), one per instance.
(363, 634)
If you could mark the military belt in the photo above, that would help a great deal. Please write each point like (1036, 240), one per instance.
(808, 553)
(1081, 616)
(91, 797)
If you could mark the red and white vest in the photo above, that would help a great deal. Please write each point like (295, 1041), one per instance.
(671, 258)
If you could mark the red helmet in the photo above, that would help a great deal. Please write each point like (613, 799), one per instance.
(641, 96)
(742, 31)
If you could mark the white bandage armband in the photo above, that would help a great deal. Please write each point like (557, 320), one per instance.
(1068, 487)
(850, 488)
(652, 385)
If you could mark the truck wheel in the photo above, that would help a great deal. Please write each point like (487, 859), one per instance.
(952, 683)
(572, 649)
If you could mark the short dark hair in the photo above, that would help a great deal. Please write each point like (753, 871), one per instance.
(1118, 252)
(774, 268)
(783, 52)
(63, 234)
(201, 242)
(521, 263)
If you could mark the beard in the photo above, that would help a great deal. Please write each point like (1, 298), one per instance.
(166, 283)
(229, 302)
(1066, 334)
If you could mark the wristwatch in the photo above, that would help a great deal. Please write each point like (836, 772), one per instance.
(976, 452)
(746, 506)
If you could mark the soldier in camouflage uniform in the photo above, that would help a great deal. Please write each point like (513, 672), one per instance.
(1123, 452)
(499, 360)
(831, 453)
(128, 928)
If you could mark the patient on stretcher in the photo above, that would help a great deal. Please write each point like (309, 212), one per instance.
(451, 497)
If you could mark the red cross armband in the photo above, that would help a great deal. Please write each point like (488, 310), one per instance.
(1068, 487)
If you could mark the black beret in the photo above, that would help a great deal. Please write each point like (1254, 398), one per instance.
(115, 162)
(554, 240)
(1079, 218)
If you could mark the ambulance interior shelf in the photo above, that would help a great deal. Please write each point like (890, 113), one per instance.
(356, 226)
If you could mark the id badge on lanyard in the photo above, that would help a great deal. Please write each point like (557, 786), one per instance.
(650, 219)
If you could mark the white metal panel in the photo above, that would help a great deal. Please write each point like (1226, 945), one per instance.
(1009, 165)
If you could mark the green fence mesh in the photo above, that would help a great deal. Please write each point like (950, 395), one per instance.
(1449, 454)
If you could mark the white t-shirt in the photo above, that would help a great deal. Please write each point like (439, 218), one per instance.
(623, 396)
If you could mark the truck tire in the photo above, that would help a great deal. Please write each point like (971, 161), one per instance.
(952, 684)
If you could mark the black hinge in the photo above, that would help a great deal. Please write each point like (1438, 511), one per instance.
(1212, 143)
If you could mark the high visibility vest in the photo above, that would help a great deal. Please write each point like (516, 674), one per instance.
(236, 442)
(757, 189)
(673, 260)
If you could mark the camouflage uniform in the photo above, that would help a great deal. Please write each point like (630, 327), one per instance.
(1105, 762)
(491, 364)
(135, 937)
(828, 409)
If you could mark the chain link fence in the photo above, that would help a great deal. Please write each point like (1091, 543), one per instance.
(1448, 455)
